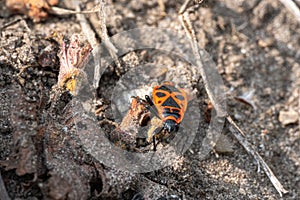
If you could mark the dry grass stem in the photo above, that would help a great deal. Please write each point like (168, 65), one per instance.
(237, 132)
(292, 7)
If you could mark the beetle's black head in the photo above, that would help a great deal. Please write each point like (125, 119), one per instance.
(171, 126)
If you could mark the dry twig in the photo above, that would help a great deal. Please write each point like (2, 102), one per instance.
(103, 33)
(292, 7)
(221, 112)
(9, 24)
(62, 11)
(100, 28)
(299, 109)
(91, 37)
(184, 7)
(238, 134)
(17, 20)
(186, 23)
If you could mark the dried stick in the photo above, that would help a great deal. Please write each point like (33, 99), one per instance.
(237, 132)
(99, 24)
(10, 24)
(299, 109)
(186, 23)
(184, 7)
(19, 19)
(103, 34)
(292, 7)
(63, 11)
(91, 37)
(3, 192)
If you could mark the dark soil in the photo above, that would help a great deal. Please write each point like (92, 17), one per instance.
(256, 47)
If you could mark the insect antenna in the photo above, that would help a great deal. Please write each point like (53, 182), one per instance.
(151, 107)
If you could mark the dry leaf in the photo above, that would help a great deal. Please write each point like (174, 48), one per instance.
(35, 9)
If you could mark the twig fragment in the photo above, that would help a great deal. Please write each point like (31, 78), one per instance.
(9, 24)
(19, 19)
(236, 131)
(184, 7)
(91, 37)
(98, 22)
(162, 7)
(186, 23)
(103, 34)
(292, 7)
(62, 11)
(299, 109)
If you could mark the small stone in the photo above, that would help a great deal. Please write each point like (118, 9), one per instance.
(224, 145)
(265, 42)
(242, 191)
(288, 117)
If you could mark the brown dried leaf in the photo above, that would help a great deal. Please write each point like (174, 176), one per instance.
(35, 9)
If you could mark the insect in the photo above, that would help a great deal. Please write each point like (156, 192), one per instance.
(169, 104)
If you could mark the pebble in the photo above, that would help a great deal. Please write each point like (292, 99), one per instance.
(265, 42)
(224, 145)
(288, 117)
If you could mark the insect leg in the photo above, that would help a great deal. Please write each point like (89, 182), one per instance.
(140, 100)
(154, 144)
(155, 132)
(148, 104)
(148, 99)
(151, 107)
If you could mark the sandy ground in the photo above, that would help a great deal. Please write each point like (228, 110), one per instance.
(255, 45)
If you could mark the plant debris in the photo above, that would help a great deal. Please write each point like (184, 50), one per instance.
(217, 103)
(36, 9)
(247, 98)
(73, 57)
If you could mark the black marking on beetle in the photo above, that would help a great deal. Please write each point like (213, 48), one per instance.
(170, 102)
(168, 88)
(180, 97)
(167, 113)
(175, 110)
(160, 94)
